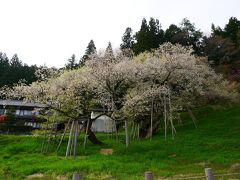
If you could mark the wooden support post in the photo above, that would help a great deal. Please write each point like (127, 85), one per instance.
(126, 133)
(69, 140)
(209, 174)
(63, 135)
(151, 127)
(116, 131)
(138, 131)
(86, 135)
(165, 116)
(45, 136)
(75, 139)
(192, 117)
(148, 175)
(76, 177)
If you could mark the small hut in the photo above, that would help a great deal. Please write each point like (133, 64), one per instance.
(103, 123)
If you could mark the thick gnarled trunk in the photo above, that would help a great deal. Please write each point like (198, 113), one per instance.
(90, 134)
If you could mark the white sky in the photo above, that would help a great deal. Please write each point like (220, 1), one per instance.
(50, 31)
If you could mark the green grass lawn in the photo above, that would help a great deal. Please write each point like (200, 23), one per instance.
(215, 143)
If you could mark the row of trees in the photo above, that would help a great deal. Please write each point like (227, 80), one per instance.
(12, 70)
(91, 50)
(151, 36)
(222, 47)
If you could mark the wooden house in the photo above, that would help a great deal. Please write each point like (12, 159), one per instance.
(24, 112)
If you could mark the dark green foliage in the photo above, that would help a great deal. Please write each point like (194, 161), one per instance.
(223, 49)
(150, 36)
(127, 39)
(231, 30)
(13, 70)
(90, 50)
(186, 35)
(72, 63)
(171, 33)
(141, 37)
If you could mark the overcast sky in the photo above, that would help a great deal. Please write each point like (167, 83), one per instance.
(50, 31)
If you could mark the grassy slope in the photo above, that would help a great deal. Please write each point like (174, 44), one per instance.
(215, 143)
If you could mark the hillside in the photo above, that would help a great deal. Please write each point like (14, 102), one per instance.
(215, 143)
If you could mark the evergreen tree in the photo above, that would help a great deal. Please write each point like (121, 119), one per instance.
(141, 37)
(150, 36)
(171, 32)
(186, 34)
(231, 30)
(127, 39)
(4, 69)
(72, 63)
(156, 34)
(90, 50)
(223, 46)
(109, 52)
(13, 70)
(15, 62)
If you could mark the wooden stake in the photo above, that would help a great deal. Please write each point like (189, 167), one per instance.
(151, 128)
(165, 116)
(148, 175)
(138, 131)
(116, 131)
(86, 135)
(170, 114)
(45, 134)
(63, 135)
(69, 140)
(126, 133)
(192, 116)
(209, 174)
(76, 177)
(76, 137)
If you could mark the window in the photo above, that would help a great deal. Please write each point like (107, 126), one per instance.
(28, 113)
(17, 112)
(24, 113)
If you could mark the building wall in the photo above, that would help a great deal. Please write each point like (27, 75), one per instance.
(103, 123)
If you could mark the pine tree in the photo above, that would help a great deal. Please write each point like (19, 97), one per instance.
(156, 34)
(127, 39)
(149, 37)
(109, 52)
(141, 37)
(231, 30)
(4, 69)
(186, 34)
(90, 50)
(72, 63)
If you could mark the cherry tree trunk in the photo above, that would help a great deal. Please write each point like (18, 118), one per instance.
(90, 134)
(147, 129)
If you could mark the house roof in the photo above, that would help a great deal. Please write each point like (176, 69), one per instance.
(20, 103)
